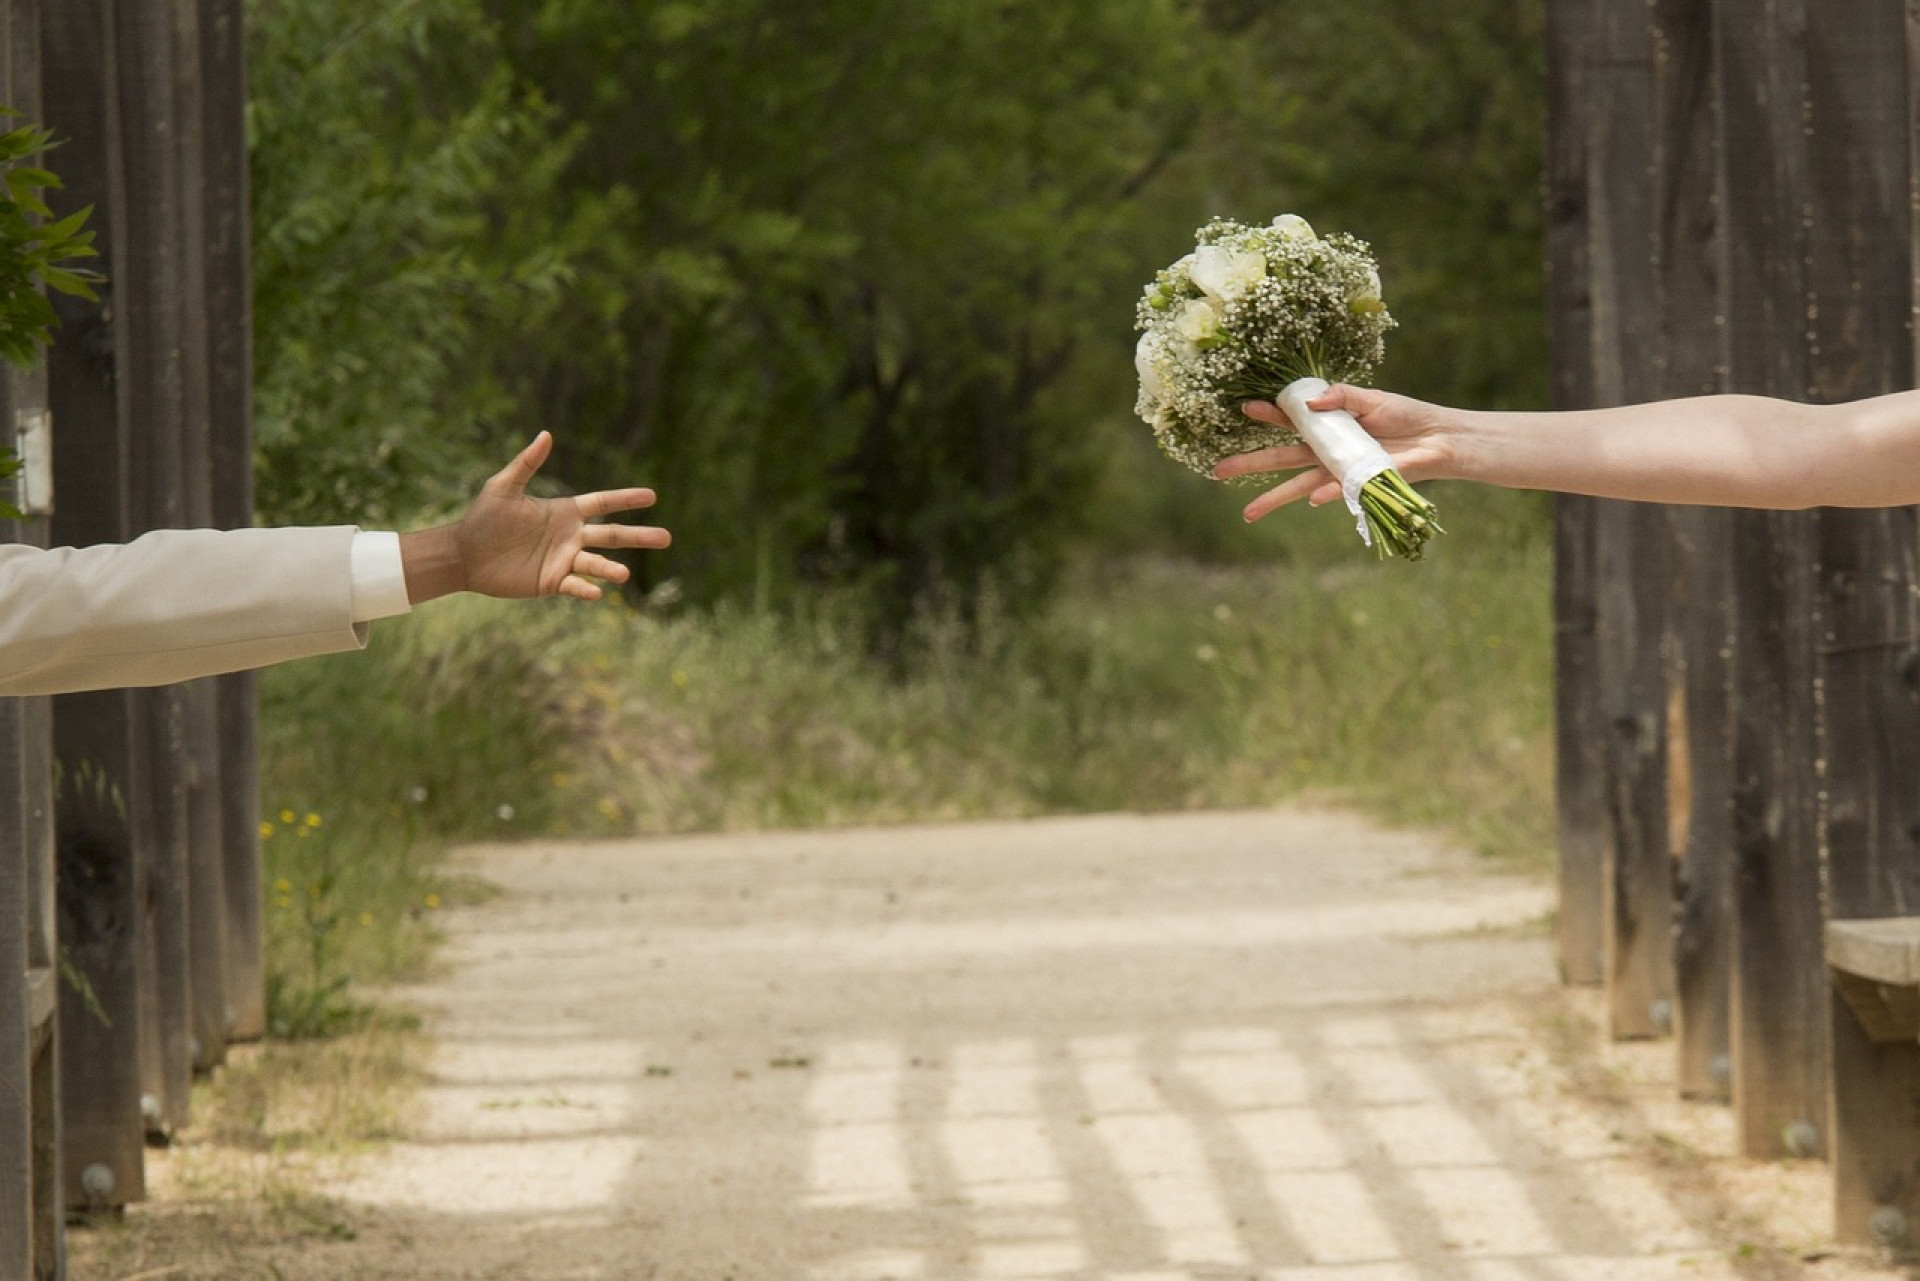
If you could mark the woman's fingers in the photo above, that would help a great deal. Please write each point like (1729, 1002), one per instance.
(1308, 484)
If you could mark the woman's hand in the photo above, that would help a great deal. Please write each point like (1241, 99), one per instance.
(1412, 432)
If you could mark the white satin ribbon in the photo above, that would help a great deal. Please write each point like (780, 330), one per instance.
(1338, 441)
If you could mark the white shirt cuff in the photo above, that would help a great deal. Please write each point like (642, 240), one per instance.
(379, 578)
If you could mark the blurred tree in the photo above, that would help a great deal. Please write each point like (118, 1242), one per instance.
(852, 284)
(1419, 128)
(394, 162)
(857, 244)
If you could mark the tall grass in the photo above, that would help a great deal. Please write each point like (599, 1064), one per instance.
(1420, 693)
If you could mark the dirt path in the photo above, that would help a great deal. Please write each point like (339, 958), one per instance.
(1273, 1045)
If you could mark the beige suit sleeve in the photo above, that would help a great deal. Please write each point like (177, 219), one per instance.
(172, 605)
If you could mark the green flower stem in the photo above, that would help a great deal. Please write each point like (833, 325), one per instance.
(1398, 516)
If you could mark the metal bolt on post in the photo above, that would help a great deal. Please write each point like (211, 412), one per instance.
(97, 1182)
(1888, 1225)
(1801, 1138)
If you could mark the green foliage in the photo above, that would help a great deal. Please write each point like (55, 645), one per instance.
(36, 252)
(453, 725)
(1419, 128)
(850, 284)
(394, 164)
(307, 980)
(35, 248)
(1149, 685)
(859, 246)
(377, 725)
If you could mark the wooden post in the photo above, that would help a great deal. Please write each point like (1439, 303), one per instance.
(229, 311)
(99, 876)
(1580, 798)
(1779, 997)
(1700, 789)
(154, 390)
(32, 1211)
(1697, 641)
(16, 1014)
(204, 938)
(26, 411)
(1630, 538)
(1860, 294)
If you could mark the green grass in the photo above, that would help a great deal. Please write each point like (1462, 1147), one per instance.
(1418, 693)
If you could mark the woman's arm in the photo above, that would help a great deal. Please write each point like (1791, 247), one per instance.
(1734, 451)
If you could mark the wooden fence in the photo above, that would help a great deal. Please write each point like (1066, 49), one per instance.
(1731, 189)
(130, 819)
(1730, 196)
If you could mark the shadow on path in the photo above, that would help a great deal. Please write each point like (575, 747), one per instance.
(1249, 1045)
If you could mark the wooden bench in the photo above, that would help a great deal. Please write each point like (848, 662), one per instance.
(1874, 968)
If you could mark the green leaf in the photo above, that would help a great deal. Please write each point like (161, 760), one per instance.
(72, 283)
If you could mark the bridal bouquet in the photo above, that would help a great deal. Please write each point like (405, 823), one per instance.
(1274, 313)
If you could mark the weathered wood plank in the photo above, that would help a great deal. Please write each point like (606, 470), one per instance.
(1579, 765)
(26, 836)
(154, 378)
(204, 940)
(16, 1018)
(1700, 787)
(1860, 297)
(1780, 1058)
(1631, 538)
(98, 877)
(1880, 949)
(229, 310)
(1698, 637)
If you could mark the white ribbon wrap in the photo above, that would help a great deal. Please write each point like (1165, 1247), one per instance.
(1339, 441)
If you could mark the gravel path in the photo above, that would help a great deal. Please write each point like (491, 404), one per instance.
(1267, 1045)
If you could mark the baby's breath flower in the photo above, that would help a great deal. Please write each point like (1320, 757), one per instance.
(1250, 310)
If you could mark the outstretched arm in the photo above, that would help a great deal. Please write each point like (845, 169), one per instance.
(178, 604)
(1735, 451)
(513, 545)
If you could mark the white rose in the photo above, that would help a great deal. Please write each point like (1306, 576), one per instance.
(1293, 227)
(1365, 299)
(1197, 321)
(1225, 273)
(1150, 380)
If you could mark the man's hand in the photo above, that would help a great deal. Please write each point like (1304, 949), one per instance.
(511, 545)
